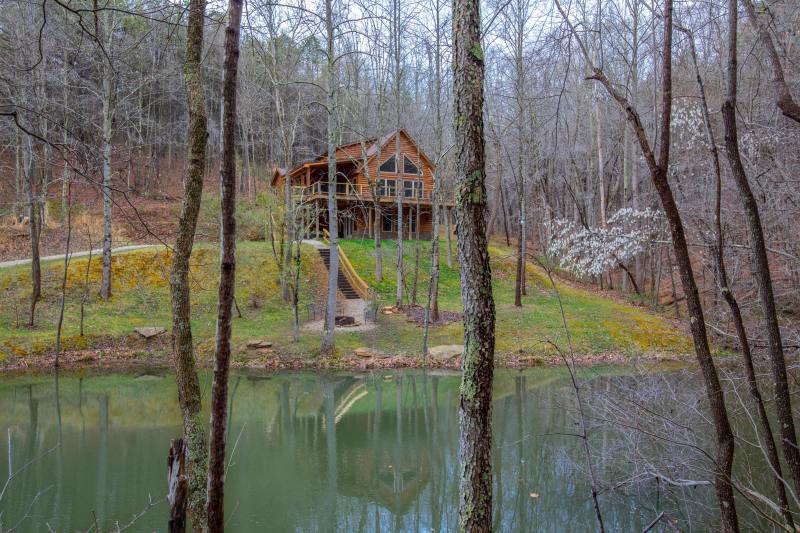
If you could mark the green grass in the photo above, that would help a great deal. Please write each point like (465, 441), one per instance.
(596, 324)
(141, 298)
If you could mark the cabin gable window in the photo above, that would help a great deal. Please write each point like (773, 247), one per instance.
(390, 165)
(408, 166)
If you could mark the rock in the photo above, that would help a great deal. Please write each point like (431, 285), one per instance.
(149, 331)
(446, 351)
(258, 344)
(364, 352)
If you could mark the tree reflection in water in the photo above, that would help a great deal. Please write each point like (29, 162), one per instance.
(341, 452)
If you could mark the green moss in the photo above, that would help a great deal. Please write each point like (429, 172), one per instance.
(140, 297)
(477, 51)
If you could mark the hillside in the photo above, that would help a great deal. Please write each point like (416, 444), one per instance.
(598, 324)
(601, 328)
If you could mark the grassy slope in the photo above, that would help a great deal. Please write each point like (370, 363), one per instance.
(141, 298)
(596, 324)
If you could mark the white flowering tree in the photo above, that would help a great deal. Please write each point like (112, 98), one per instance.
(594, 251)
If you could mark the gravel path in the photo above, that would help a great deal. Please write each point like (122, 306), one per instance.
(97, 252)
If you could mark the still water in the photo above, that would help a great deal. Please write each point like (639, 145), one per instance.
(339, 452)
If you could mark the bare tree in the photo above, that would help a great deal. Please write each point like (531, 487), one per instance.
(785, 100)
(475, 405)
(659, 168)
(189, 396)
(761, 270)
(328, 333)
(227, 280)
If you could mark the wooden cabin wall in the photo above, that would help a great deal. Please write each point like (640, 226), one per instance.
(407, 147)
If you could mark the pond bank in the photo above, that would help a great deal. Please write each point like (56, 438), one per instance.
(119, 358)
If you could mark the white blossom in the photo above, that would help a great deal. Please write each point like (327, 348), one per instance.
(594, 251)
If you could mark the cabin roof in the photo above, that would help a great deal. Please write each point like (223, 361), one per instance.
(350, 153)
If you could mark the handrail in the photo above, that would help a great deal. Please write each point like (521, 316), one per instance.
(358, 284)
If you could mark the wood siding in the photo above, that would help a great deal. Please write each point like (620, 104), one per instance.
(407, 147)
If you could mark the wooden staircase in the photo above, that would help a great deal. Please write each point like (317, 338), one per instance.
(341, 281)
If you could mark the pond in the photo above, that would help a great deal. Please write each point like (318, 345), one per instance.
(308, 452)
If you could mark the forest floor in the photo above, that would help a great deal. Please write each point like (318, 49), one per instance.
(601, 329)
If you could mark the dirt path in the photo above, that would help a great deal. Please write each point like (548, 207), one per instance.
(97, 252)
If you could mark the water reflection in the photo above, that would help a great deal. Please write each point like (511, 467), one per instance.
(370, 452)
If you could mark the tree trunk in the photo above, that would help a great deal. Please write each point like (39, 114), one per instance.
(785, 100)
(659, 171)
(222, 350)
(34, 226)
(415, 283)
(333, 229)
(475, 406)
(177, 486)
(659, 175)
(730, 299)
(783, 403)
(189, 396)
(399, 193)
(60, 323)
(108, 96)
(432, 306)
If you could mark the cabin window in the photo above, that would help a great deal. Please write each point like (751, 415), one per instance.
(412, 188)
(389, 165)
(408, 166)
(386, 188)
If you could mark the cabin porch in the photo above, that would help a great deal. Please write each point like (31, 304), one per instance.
(356, 220)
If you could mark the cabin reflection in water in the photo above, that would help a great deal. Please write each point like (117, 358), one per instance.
(333, 452)
(388, 464)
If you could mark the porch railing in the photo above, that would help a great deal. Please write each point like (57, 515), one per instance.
(364, 192)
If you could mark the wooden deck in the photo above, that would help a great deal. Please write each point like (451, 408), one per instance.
(364, 193)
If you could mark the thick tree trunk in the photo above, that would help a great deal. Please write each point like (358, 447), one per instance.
(783, 403)
(189, 397)
(475, 406)
(227, 280)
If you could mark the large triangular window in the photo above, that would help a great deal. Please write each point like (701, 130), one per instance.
(408, 166)
(389, 165)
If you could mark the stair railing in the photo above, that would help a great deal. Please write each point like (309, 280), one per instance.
(358, 284)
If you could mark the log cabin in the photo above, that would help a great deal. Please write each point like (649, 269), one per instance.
(368, 182)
